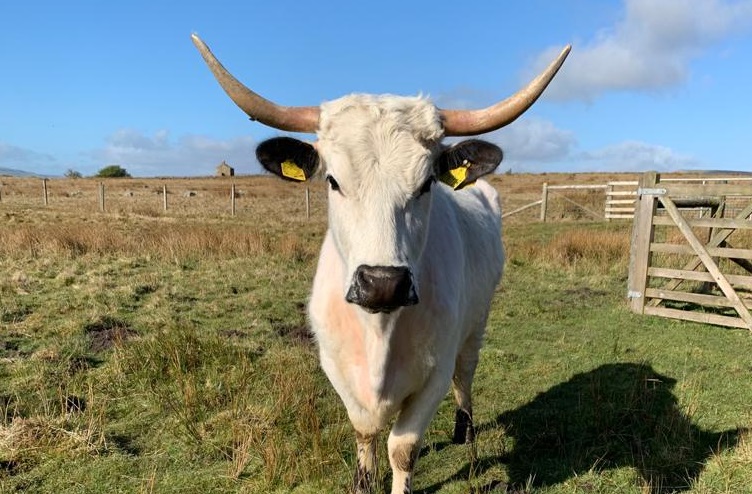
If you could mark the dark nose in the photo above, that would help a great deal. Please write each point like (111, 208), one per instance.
(382, 288)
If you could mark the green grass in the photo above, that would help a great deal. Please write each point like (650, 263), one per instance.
(151, 369)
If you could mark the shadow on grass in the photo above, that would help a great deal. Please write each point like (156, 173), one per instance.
(612, 416)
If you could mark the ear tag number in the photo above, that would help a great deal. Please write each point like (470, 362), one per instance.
(293, 171)
(454, 177)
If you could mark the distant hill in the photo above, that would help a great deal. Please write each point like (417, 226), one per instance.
(10, 172)
(716, 172)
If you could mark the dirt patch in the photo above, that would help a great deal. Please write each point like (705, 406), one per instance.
(234, 333)
(107, 333)
(298, 334)
(243, 338)
(13, 346)
(125, 443)
(9, 467)
(81, 363)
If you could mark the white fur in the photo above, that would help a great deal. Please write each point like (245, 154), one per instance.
(380, 150)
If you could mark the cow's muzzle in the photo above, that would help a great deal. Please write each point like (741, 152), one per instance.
(382, 288)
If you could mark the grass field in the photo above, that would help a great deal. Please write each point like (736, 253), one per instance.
(148, 351)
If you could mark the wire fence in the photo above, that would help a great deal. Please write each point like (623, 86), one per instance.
(220, 196)
(265, 197)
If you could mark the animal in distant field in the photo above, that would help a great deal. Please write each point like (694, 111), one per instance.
(409, 265)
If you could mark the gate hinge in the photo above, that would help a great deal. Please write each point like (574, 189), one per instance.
(633, 294)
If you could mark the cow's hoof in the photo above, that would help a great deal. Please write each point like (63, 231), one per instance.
(464, 432)
(362, 481)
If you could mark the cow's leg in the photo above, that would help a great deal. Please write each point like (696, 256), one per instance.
(464, 372)
(406, 435)
(367, 427)
(366, 471)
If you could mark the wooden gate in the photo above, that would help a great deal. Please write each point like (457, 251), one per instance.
(620, 199)
(696, 269)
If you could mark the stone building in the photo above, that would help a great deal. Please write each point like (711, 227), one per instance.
(225, 170)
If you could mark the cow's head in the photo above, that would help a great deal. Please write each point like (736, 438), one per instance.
(382, 157)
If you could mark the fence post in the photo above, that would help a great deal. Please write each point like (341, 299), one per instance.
(609, 191)
(101, 197)
(307, 203)
(642, 236)
(232, 199)
(164, 197)
(44, 191)
(544, 202)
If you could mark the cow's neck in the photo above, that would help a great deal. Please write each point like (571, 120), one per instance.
(378, 337)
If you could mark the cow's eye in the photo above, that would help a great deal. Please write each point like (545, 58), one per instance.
(332, 183)
(426, 187)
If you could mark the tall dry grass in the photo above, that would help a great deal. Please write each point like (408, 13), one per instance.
(585, 248)
(163, 240)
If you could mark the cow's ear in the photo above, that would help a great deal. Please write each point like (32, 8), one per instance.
(288, 158)
(462, 164)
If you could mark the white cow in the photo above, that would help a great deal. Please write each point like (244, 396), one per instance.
(409, 265)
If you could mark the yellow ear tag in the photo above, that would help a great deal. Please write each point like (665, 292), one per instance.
(454, 177)
(293, 171)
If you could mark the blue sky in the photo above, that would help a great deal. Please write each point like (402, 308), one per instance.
(650, 84)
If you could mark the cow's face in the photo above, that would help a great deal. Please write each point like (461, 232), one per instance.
(378, 155)
(381, 157)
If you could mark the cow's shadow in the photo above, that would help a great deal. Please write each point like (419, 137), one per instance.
(615, 415)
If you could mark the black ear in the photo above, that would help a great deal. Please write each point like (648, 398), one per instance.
(288, 158)
(462, 164)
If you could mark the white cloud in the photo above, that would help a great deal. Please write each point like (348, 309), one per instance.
(532, 143)
(634, 156)
(535, 145)
(158, 155)
(649, 49)
(529, 144)
(465, 97)
(24, 159)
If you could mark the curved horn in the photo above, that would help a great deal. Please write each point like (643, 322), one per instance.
(289, 118)
(474, 122)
